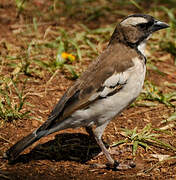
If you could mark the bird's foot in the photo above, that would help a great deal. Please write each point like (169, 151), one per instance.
(123, 166)
(116, 166)
(112, 166)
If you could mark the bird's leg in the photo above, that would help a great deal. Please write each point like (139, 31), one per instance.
(112, 164)
(100, 143)
(97, 134)
(111, 161)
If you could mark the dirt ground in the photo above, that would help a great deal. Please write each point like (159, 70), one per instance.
(70, 154)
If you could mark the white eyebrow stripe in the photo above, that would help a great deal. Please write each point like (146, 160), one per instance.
(133, 21)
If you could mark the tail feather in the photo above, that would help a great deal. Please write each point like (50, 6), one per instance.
(12, 153)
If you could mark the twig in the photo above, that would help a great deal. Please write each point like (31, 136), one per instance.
(5, 139)
(52, 77)
(158, 163)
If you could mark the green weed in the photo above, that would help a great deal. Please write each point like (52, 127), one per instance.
(144, 138)
(171, 118)
(169, 43)
(20, 6)
(11, 106)
(78, 44)
(154, 94)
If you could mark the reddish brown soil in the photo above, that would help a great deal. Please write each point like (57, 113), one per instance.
(69, 154)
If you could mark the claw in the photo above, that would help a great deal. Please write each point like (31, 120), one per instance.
(112, 166)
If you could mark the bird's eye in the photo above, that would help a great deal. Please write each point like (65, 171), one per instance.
(145, 26)
(142, 26)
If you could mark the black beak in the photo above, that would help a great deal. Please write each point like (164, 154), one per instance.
(159, 25)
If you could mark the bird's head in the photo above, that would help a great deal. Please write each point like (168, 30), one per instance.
(137, 28)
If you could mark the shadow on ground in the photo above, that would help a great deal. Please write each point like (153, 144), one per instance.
(67, 146)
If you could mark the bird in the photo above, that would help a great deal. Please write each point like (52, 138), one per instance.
(108, 86)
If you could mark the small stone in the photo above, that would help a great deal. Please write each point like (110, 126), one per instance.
(132, 164)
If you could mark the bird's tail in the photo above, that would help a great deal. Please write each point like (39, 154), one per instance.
(12, 153)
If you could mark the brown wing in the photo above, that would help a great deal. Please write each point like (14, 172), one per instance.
(114, 59)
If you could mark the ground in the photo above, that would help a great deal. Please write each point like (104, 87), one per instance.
(70, 154)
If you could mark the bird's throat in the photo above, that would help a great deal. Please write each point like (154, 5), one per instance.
(141, 47)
